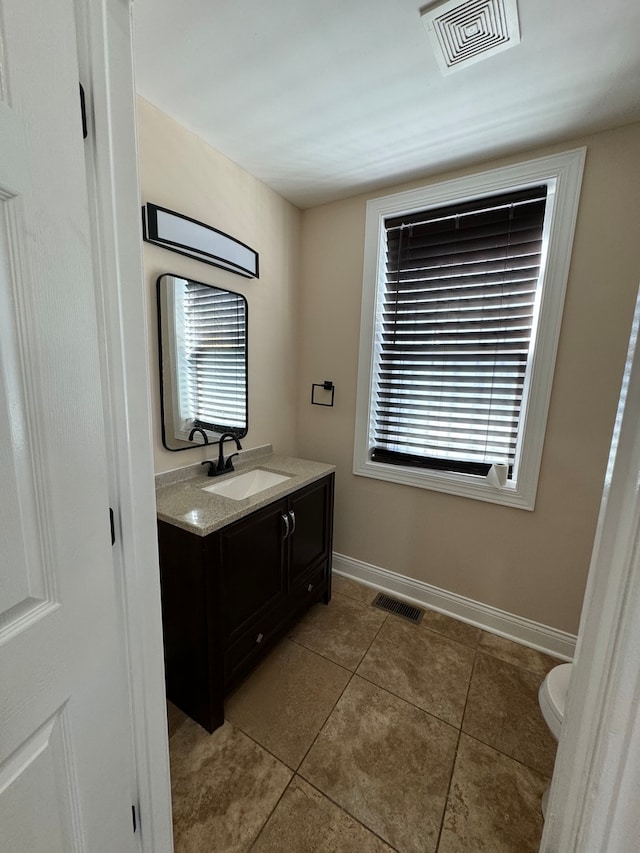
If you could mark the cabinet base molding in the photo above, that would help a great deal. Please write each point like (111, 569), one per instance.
(537, 636)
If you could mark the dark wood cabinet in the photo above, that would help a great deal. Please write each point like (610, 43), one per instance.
(252, 566)
(228, 597)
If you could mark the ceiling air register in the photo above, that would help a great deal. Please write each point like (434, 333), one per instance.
(464, 33)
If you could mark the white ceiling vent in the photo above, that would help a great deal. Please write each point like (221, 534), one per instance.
(462, 33)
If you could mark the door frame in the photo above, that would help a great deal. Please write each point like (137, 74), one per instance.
(593, 800)
(105, 56)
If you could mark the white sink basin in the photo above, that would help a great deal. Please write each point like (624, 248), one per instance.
(245, 485)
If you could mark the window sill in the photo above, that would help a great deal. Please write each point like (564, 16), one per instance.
(462, 485)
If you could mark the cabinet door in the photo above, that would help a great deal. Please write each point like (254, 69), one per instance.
(310, 542)
(252, 567)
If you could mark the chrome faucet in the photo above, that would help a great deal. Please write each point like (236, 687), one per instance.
(222, 466)
(201, 431)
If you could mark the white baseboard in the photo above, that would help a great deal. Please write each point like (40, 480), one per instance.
(533, 634)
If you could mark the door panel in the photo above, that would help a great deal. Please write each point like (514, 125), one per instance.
(25, 581)
(252, 566)
(67, 777)
(38, 772)
(310, 541)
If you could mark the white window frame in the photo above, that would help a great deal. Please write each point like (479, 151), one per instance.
(562, 173)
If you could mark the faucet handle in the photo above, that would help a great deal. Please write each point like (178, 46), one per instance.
(228, 465)
(213, 467)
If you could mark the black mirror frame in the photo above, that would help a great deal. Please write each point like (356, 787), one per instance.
(238, 433)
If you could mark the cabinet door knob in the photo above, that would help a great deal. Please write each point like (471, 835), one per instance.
(259, 638)
(293, 521)
(310, 587)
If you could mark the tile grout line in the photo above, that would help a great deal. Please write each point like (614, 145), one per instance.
(408, 702)
(479, 650)
(492, 746)
(275, 757)
(296, 772)
(506, 755)
(455, 755)
(345, 810)
(387, 616)
(333, 707)
(301, 762)
(268, 818)
(404, 698)
(491, 654)
(478, 645)
(321, 655)
(331, 660)
(331, 710)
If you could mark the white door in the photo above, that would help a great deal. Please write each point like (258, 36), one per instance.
(67, 780)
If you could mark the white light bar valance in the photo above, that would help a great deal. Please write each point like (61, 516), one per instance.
(194, 239)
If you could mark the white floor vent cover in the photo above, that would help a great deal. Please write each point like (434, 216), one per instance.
(462, 33)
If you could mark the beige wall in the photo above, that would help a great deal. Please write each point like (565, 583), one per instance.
(533, 564)
(304, 316)
(179, 171)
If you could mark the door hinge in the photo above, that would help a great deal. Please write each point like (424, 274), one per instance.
(133, 817)
(83, 111)
(113, 526)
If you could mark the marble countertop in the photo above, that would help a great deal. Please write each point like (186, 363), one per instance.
(181, 501)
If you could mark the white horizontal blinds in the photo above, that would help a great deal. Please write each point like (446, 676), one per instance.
(454, 328)
(215, 356)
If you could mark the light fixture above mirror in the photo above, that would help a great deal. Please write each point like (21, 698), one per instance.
(194, 239)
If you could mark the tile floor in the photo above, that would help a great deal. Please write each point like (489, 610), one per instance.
(364, 733)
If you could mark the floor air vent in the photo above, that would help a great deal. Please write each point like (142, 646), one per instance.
(398, 608)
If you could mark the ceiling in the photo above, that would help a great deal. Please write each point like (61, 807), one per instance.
(323, 100)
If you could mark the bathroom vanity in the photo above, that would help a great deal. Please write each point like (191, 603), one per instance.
(237, 572)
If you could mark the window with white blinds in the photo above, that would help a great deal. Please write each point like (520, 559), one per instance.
(462, 296)
(212, 370)
(454, 329)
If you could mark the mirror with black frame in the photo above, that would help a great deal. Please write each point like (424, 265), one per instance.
(202, 333)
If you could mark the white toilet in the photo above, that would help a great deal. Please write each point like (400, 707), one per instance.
(552, 697)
